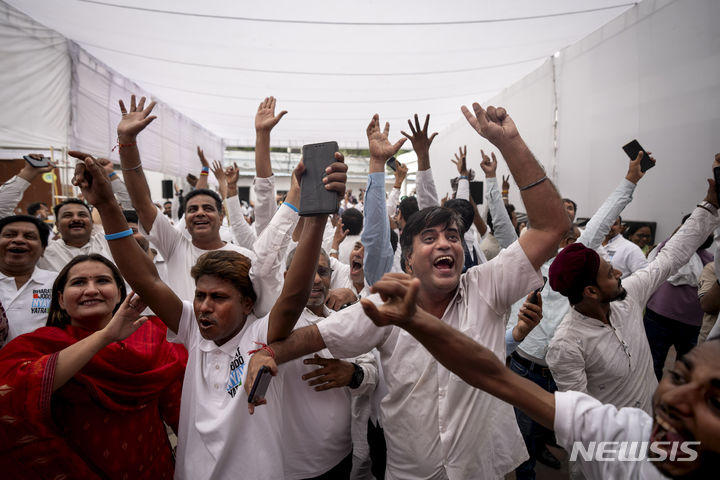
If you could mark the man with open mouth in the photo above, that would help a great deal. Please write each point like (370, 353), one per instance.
(435, 425)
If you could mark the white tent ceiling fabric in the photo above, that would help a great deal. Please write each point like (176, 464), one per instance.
(652, 74)
(331, 64)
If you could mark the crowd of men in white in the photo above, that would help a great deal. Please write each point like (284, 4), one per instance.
(399, 316)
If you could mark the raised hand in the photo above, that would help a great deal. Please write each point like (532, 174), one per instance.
(336, 177)
(265, 118)
(529, 317)
(494, 124)
(635, 173)
(401, 172)
(232, 174)
(219, 173)
(191, 179)
(461, 161)
(92, 180)
(380, 147)
(339, 235)
(30, 173)
(135, 120)
(258, 360)
(489, 166)
(333, 373)
(419, 138)
(127, 319)
(399, 292)
(201, 156)
(106, 164)
(506, 183)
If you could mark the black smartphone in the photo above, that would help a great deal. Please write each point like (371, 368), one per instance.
(315, 199)
(534, 298)
(260, 385)
(392, 164)
(476, 192)
(632, 150)
(42, 162)
(716, 174)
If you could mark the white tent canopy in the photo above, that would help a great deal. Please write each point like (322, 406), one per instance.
(331, 64)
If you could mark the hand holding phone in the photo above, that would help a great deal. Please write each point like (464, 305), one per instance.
(534, 298)
(260, 385)
(37, 161)
(392, 163)
(632, 149)
(315, 199)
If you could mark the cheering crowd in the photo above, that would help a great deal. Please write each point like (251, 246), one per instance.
(406, 338)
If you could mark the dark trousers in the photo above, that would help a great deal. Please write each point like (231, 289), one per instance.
(378, 450)
(533, 433)
(341, 471)
(662, 332)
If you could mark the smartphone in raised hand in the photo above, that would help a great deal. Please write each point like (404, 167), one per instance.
(632, 149)
(315, 199)
(37, 161)
(534, 299)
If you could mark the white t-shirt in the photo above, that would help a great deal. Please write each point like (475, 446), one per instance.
(436, 425)
(181, 255)
(58, 253)
(581, 418)
(27, 307)
(217, 437)
(623, 255)
(316, 433)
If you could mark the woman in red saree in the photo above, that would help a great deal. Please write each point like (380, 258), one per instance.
(86, 396)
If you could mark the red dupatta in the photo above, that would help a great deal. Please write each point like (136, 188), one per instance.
(124, 376)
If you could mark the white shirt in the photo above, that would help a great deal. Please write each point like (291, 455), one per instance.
(217, 437)
(623, 255)
(612, 362)
(27, 307)
(58, 253)
(581, 418)
(181, 255)
(11, 192)
(436, 425)
(316, 433)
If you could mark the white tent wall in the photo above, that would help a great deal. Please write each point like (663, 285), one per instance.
(652, 74)
(35, 79)
(168, 145)
(531, 104)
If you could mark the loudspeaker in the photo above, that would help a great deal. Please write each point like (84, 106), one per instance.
(244, 194)
(167, 189)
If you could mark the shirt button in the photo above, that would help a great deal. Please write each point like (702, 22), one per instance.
(442, 429)
(442, 392)
(217, 386)
(217, 367)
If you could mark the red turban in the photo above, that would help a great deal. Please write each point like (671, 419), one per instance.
(574, 268)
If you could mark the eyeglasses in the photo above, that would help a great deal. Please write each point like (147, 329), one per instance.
(324, 271)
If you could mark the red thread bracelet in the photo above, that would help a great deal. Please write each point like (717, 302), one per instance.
(121, 145)
(263, 346)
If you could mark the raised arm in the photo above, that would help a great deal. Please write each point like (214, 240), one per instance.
(602, 220)
(472, 362)
(134, 264)
(546, 213)
(394, 196)
(502, 225)
(244, 234)
(460, 161)
(426, 192)
(11, 192)
(133, 122)
(202, 181)
(378, 257)
(300, 275)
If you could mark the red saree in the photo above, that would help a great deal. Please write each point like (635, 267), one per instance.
(106, 422)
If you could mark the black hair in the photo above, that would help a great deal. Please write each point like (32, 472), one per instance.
(352, 220)
(209, 193)
(464, 209)
(35, 207)
(57, 317)
(427, 218)
(408, 206)
(393, 240)
(43, 230)
(131, 216)
(570, 201)
(68, 201)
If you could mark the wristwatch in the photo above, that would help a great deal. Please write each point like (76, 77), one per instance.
(357, 377)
